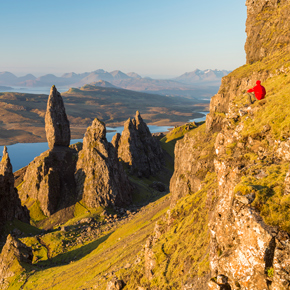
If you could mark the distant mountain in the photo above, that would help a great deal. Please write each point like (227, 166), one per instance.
(186, 85)
(99, 83)
(202, 76)
(118, 75)
(134, 75)
(6, 78)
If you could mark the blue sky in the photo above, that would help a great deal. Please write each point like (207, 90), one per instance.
(152, 37)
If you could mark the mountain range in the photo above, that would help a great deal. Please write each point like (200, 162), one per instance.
(117, 78)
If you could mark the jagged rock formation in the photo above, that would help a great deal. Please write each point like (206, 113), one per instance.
(138, 149)
(267, 28)
(193, 159)
(10, 205)
(100, 178)
(49, 178)
(56, 122)
(13, 257)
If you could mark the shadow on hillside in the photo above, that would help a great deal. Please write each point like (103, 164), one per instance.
(72, 256)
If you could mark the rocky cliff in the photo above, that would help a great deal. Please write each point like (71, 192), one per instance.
(267, 28)
(10, 205)
(246, 146)
(138, 149)
(49, 179)
(100, 178)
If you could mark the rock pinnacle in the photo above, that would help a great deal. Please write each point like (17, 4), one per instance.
(56, 122)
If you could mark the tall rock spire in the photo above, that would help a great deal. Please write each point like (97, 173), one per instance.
(56, 122)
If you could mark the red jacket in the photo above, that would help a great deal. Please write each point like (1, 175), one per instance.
(260, 91)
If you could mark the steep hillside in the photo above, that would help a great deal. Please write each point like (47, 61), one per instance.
(224, 225)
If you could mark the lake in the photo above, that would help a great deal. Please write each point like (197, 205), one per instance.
(21, 154)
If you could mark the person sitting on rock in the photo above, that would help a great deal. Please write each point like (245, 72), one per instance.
(258, 90)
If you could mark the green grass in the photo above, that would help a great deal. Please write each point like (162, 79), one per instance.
(269, 193)
(182, 252)
(86, 266)
(266, 125)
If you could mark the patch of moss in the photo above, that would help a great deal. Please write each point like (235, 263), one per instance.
(269, 193)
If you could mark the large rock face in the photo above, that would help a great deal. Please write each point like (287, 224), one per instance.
(267, 28)
(10, 205)
(245, 251)
(136, 147)
(100, 178)
(194, 157)
(248, 249)
(56, 122)
(49, 178)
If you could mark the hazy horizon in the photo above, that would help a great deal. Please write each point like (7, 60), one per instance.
(164, 38)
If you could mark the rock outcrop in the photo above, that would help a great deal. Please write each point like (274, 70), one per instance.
(56, 122)
(13, 257)
(267, 28)
(100, 178)
(138, 149)
(194, 157)
(10, 205)
(49, 178)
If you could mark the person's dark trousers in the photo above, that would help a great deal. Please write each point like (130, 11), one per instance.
(251, 97)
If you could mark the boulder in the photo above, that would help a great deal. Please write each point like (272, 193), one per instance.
(115, 284)
(100, 177)
(138, 149)
(56, 122)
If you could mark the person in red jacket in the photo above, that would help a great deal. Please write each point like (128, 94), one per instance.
(258, 90)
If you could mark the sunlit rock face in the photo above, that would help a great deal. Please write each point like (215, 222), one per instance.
(138, 149)
(100, 177)
(56, 122)
(267, 28)
(49, 178)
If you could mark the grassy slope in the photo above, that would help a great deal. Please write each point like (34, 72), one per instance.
(274, 113)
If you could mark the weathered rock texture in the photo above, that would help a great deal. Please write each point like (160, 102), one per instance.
(194, 157)
(56, 122)
(100, 178)
(267, 28)
(138, 149)
(13, 258)
(10, 205)
(245, 252)
(49, 178)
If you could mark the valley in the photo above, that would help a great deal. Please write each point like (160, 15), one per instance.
(22, 115)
